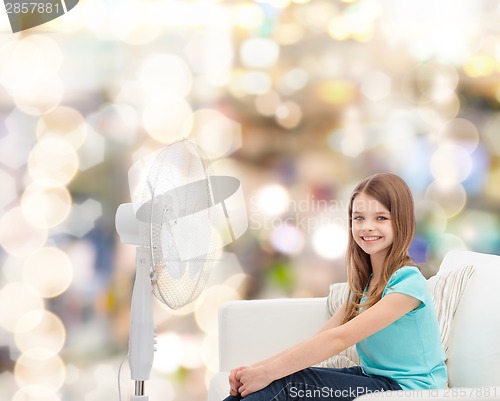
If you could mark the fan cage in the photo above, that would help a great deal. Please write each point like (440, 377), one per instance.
(178, 185)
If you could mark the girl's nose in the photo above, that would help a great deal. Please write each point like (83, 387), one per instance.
(367, 226)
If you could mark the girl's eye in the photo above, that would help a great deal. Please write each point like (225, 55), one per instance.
(358, 218)
(382, 218)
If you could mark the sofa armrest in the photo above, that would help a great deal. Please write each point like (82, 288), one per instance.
(250, 331)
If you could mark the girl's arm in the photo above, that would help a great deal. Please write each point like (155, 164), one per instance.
(334, 321)
(330, 340)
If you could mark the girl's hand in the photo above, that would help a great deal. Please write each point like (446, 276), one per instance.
(252, 380)
(234, 383)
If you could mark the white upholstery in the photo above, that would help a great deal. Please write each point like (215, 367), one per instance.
(252, 330)
(474, 353)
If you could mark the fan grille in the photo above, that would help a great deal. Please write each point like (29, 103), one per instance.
(179, 194)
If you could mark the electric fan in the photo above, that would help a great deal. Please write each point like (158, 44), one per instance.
(179, 220)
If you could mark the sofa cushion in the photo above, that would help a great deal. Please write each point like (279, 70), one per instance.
(349, 357)
(446, 290)
(474, 341)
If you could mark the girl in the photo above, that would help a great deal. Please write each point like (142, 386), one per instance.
(389, 315)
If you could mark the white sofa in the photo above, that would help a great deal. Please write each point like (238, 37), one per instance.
(252, 330)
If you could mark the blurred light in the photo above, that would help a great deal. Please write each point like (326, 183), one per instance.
(168, 356)
(437, 81)
(462, 132)
(478, 229)
(197, 15)
(9, 192)
(134, 23)
(49, 271)
(40, 329)
(39, 372)
(293, 80)
(490, 133)
(339, 28)
(492, 189)
(92, 152)
(450, 164)
(447, 242)
(288, 239)
(272, 199)
(330, 241)
(165, 74)
(39, 97)
(118, 122)
(16, 300)
(191, 355)
(481, 164)
(35, 393)
(376, 86)
(288, 33)
(337, 92)
(103, 379)
(45, 207)
(451, 198)
(18, 236)
(356, 22)
(288, 114)
(19, 56)
(430, 30)
(209, 351)
(278, 3)
(167, 118)
(208, 304)
(259, 53)
(247, 15)
(82, 218)
(480, 65)
(253, 83)
(431, 218)
(217, 134)
(14, 146)
(73, 374)
(236, 281)
(447, 110)
(52, 162)
(355, 137)
(64, 122)
(211, 54)
(267, 103)
(316, 16)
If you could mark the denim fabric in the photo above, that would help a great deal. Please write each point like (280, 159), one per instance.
(321, 384)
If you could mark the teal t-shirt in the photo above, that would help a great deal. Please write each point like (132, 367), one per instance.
(409, 350)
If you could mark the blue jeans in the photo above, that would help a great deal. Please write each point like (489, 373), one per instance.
(321, 384)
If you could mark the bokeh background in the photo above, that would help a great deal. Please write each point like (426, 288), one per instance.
(298, 99)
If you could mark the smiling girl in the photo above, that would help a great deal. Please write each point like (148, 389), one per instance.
(389, 315)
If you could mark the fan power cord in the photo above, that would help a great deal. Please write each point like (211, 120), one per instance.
(119, 378)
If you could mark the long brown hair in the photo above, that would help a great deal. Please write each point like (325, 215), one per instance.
(393, 193)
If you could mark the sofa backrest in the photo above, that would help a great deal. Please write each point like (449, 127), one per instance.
(474, 343)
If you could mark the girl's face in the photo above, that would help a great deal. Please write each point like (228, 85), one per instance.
(371, 226)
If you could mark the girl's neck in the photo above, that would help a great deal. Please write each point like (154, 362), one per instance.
(376, 268)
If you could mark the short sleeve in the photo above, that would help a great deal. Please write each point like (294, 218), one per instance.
(408, 280)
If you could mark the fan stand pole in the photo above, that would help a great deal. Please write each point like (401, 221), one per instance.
(142, 335)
